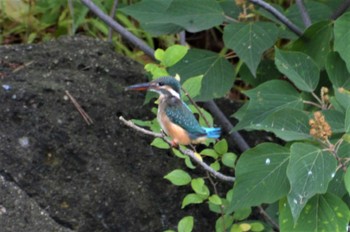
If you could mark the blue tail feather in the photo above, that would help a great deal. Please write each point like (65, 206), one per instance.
(213, 132)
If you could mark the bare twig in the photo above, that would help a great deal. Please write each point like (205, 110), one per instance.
(196, 106)
(283, 19)
(187, 152)
(268, 218)
(119, 28)
(304, 14)
(71, 11)
(82, 112)
(182, 40)
(112, 15)
(343, 7)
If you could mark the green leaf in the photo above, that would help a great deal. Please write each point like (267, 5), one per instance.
(335, 119)
(316, 10)
(198, 185)
(242, 214)
(299, 68)
(152, 15)
(216, 165)
(229, 159)
(322, 213)
(156, 70)
(250, 40)
(210, 152)
(337, 72)
(178, 177)
(336, 185)
(193, 86)
(257, 226)
(315, 42)
(221, 147)
(218, 73)
(192, 198)
(343, 97)
(266, 71)
(173, 55)
(267, 98)
(309, 171)
(260, 176)
(347, 180)
(223, 222)
(342, 38)
(159, 54)
(189, 163)
(215, 199)
(160, 143)
(287, 124)
(347, 120)
(194, 15)
(185, 224)
(277, 107)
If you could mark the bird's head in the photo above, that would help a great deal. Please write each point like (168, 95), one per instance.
(166, 86)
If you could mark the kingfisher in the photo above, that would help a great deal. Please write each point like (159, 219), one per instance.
(174, 116)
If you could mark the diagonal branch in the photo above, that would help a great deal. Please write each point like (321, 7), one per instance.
(187, 152)
(304, 14)
(283, 19)
(342, 8)
(119, 28)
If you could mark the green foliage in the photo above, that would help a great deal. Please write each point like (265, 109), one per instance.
(178, 177)
(250, 40)
(297, 86)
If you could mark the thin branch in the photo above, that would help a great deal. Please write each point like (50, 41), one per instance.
(112, 15)
(196, 106)
(227, 125)
(182, 39)
(119, 28)
(342, 8)
(304, 14)
(184, 151)
(82, 112)
(313, 104)
(268, 218)
(71, 11)
(283, 19)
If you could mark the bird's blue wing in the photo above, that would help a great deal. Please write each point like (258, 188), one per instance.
(179, 113)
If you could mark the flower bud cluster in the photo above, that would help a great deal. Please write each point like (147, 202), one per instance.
(320, 128)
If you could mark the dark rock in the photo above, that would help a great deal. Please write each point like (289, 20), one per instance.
(57, 172)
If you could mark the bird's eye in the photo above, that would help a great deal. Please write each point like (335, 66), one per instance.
(160, 83)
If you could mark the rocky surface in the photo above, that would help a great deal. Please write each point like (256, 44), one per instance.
(57, 173)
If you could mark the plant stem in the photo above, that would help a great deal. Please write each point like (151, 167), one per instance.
(120, 29)
(342, 8)
(283, 19)
(112, 15)
(304, 14)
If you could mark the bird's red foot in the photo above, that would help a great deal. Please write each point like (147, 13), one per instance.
(174, 144)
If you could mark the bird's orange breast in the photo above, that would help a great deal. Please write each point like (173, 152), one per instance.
(177, 133)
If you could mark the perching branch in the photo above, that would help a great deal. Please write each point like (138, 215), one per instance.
(188, 152)
(149, 51)
(304, 14)
(119, 28)
(283, 19)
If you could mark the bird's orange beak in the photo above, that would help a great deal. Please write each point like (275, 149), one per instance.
(139, 87)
